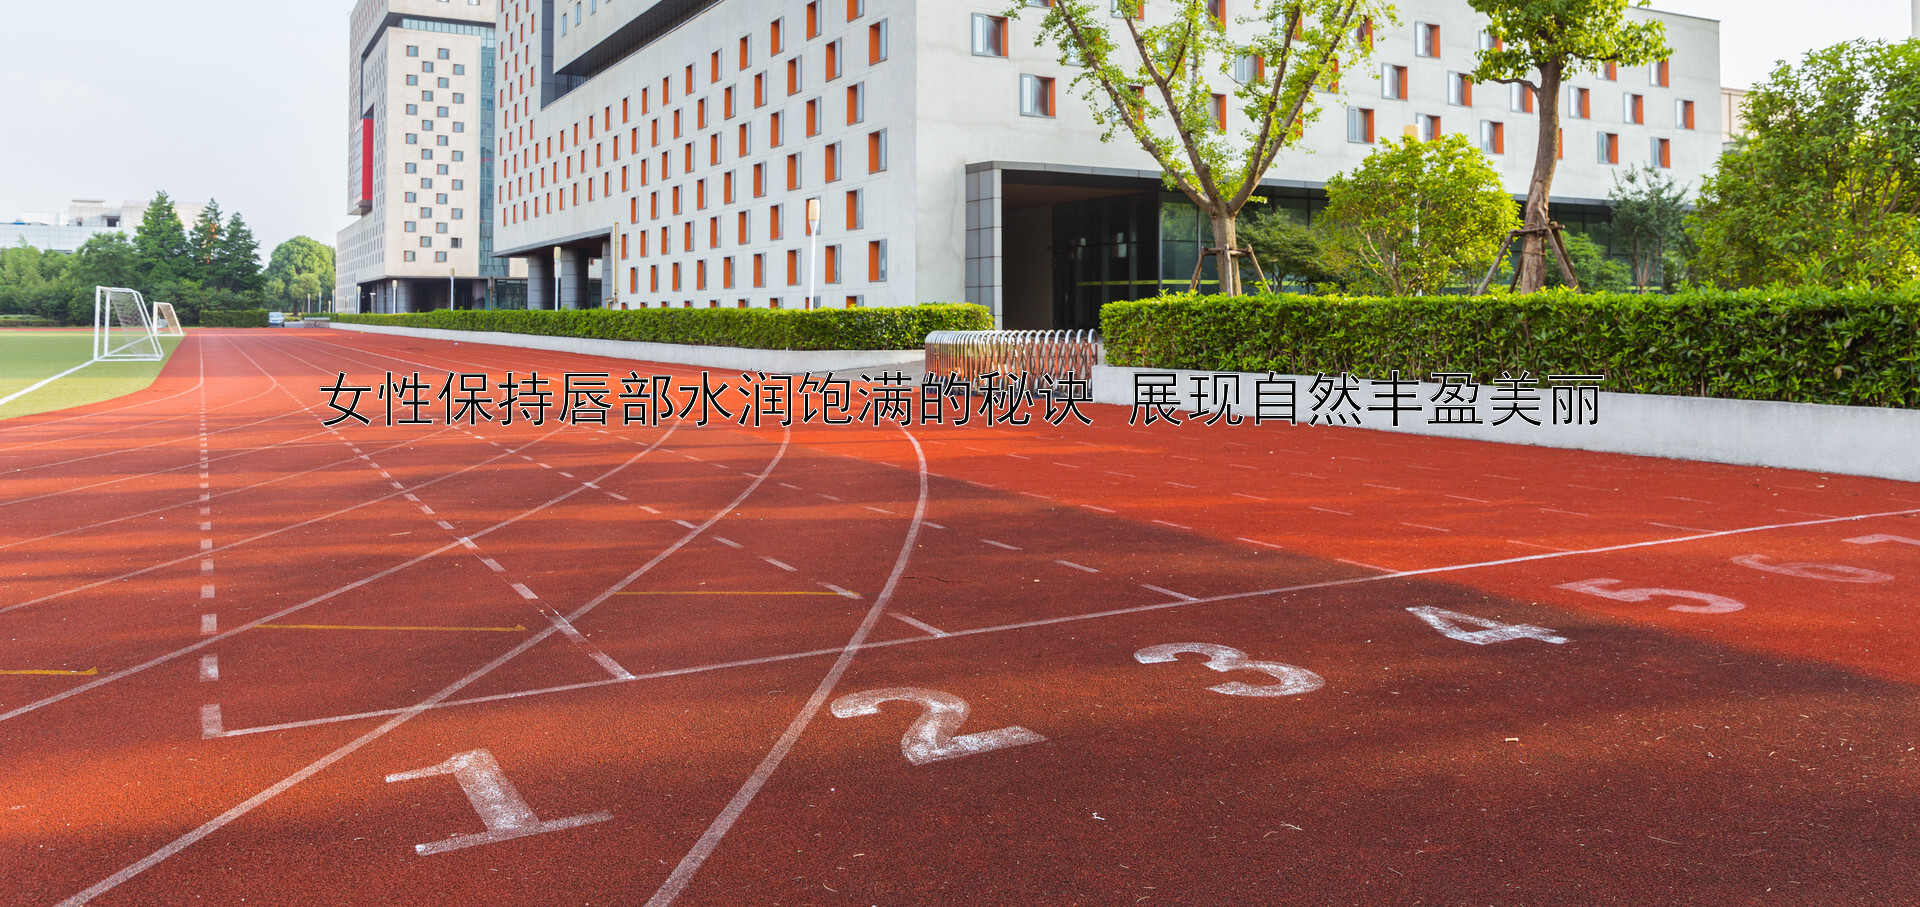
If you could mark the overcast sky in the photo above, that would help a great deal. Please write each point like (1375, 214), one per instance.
(245, 102)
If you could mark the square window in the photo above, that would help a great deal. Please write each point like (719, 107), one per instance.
(413, 110)
(440, 140)
(408, 256)
(442, 168)
(413, 139)
(426, 182)
(1459, 89)
(1493, 137)
(426, 213)
(459, 185)
(989, 35)
(440, 257)
(1036, 96)
(440, 199)
(455, 242)
(412, 167)
(440, 227)
(443, 82)
(426, 67)
(1360, 125)
(411, 227)
(459, 98)
(458, 156)
(425, 94)
(413, 79)
(459, 69)
(440, 111)
(426, 242)
(411, 199)
(413, 50)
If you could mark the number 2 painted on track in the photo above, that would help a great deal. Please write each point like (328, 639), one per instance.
(1293, 681)
(1713, 604)
(501, 808)
(930, 738)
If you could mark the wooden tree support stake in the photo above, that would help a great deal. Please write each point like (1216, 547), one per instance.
(1553, 231)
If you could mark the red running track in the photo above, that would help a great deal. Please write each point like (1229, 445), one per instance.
(575, 664)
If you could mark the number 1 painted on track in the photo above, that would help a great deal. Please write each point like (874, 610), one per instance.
(506, 815)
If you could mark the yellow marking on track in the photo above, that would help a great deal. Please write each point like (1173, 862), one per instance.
(705, 592)
(513, 629)
(86, 673)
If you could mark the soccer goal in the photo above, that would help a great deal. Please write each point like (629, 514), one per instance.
(165, 322)
(123, 326)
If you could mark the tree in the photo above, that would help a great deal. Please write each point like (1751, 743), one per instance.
(1291, 252)
(298, 258)
(1649, 216)
(1415, 216)
(236, 262)
(161, 243)
(1161, 88)
(1826, 189)
(1554, 40)
(1592, 267)
(203, 242)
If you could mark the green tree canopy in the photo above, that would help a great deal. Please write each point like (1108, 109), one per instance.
(1416, 217)
(1649, 215)
(1291, 251)
(1826, 188)
(203, 242)
(236, 261)
(161, 243)
(1154, 73)
(1540, 44)
(300, 265)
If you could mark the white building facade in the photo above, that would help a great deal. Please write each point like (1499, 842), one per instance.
(682, 142)
(420, 163)
(83, 219)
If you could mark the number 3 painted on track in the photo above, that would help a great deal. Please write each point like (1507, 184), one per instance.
(1293, 681)
(1715, 604)
(930, 737)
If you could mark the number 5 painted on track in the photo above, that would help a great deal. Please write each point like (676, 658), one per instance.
(930, 737)
(1293, 681)
(501, 808)
(1715, 604)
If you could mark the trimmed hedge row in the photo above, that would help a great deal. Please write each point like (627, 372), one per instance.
(233, 318)
(879, 328)
(1805, 345)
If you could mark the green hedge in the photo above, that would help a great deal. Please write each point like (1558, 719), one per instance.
(879, 328)
(1807, 345)
(233, 318)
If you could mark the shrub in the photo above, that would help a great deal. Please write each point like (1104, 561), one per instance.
(233, 318)
(1807, 345)
(879, 328)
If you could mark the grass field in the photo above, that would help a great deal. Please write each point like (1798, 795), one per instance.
(27, 356)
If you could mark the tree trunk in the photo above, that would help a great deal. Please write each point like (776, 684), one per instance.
(1533, 246)
(1226, 237)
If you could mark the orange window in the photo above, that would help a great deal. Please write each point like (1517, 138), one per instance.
(726, 272)
(856, 104)
(713, 232)
(713, 149)
(713, 74)
(774, 45)
(793, 171)
(759, 269)
(877, 261)
(759, 89)
(813, 19)
(853, 210)
(877, 42)
(700, 114)
(746, 143)
(625, 183)
(856, 9)
(746, 52)
(743, 228)
(876, 151)
(678, 124)
(832, 265)
(700, 195)
(793, 76)
(633, 280)
(833, 162)
(624, 109)
(633, 210)
(653, 279)
(773, 222)
(759, 180)
(656, 132)
(813, 117)
(676, 199)
(773, 137)
(689, 78)
(1660, 73)
(833, 61)
(793, 267)
(1219, 111)
(726, 103)
(700, 274)
(676, 277)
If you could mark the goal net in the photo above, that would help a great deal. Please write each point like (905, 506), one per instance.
(165, 322)
(122, 326)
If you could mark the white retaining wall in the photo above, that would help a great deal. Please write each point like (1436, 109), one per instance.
(1852, 440)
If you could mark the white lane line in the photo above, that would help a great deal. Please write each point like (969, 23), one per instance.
(880, 510)
(785, 485)
(730, 543)
(1681, 528)
(844, 593)
(567, 474)
(206, 526)
(1076, 566)
(1567, 512)
(781, 564)
(209, 668)
(827, 496)
(209, 624)
(206, 544)
(1306, 475)
(1368, 566)
(525, 592)
(1167, 592)
(1179, 457)
(206, 590)
(690, 864)
(1001, 545)
(1182, 485)
(426, 510)
(1099, 509)
(1429, 468)
(1019, 457)
(1462, 497)
(493, 565)
(931, 525)
(1383, 487)
(1502, 478)
(1591, 488)
(1174, 525)
(1242, 466)
(468, 544)
(1675, 497)
(1423, 526)
(616, 496)
(1124, 475)
(686, 525)
(545, 466)
(444, 525)
(409, 496)
(1249, 497)
(1803, 512)
(1067, 465)
(211, 725)
(936, 631)
(1327, 510)
(206, 566)
(1260, 543)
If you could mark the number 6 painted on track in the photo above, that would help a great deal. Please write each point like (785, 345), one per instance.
(930, 737)
(1715, 604)
(1293, 681)
(1832, 573)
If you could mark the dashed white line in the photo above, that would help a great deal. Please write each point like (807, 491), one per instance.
(785, 485)
(1067, 465)
(880, 510)
(1462, 497)
(687, 525)
(209, 624)
(1328, 510)
(209, 668)
(1000, 545)
(827, 496)
(206, 544)
(206, 590)
(1174, 525)
(936, 631)
(1019, 457)
(1260, 543)
(493, 565)
(730, 543)
(1424, 526)
(1368, 566)
(1182, 485)
(1242, 466)
(1100, 509)
(778, 563)
(1170, 592)
(206, 566)
(567, 474)
(846, 593)
(1249, 497)
(1124, 475)
(211, 725)
(444, 525)
(931, 525)
(616, 497)
(1384, 487)
(1076, 566)
(525, 592)
(1682, 528)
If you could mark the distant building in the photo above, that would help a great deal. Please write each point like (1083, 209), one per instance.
(1733, 114)
(82, 220)
(420, 158)
(952, 159)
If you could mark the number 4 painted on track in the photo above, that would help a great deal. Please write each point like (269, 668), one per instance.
(1491, 631)
(506, 815)
(1875, 539)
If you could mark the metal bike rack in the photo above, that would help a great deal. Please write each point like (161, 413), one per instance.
(969, 355)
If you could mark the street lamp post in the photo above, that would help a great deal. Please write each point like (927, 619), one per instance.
(813, 250)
